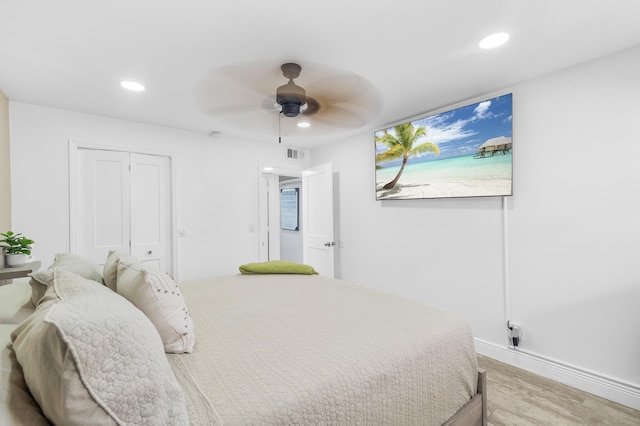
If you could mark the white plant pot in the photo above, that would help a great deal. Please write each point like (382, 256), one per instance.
(12, 260)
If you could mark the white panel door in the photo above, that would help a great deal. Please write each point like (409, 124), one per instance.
(102, 207)
(123, 202)
(150, 210)
(317, 229)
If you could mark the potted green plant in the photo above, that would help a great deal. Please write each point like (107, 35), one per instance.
(17, 248)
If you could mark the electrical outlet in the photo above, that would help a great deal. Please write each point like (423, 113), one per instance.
(515, 334)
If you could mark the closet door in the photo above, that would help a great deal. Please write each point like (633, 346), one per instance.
(150, 210)
(123, 202)
(102, 203)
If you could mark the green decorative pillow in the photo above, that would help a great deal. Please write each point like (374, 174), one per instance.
(277, 267)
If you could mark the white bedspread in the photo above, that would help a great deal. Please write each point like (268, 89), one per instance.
(291, 349)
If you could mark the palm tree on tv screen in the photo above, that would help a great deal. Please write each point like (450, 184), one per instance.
(401, 146)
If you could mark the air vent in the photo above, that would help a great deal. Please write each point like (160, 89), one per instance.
(294, 154)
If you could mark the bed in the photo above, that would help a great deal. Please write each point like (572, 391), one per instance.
(290, 349)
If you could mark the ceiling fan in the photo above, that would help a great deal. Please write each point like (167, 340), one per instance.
(248, 98)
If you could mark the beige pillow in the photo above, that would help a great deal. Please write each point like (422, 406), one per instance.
(88, 355)
(17, 406)
(41, 280)
(110, 270)
(157, 295)
(79, 265)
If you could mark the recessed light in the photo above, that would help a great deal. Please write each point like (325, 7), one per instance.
(304, 124)
(494, 40)
(132, 85)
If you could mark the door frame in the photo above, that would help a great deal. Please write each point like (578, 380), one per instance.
(74, 146)
(269, 206)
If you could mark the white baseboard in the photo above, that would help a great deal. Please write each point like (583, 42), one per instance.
(606, 387)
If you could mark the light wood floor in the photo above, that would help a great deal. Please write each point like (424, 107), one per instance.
(519, 398)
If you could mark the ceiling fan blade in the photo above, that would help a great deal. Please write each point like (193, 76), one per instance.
(311, 108)
(341, 116)
(345, 100)
(235, 84)
(243, 108)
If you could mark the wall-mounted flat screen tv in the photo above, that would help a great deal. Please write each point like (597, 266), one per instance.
(463, 152)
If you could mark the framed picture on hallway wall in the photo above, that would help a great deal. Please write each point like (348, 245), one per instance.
(289, 209)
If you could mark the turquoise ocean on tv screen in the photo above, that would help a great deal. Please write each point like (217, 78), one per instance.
(454, 169)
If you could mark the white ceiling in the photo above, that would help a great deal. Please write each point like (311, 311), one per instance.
(417, 55)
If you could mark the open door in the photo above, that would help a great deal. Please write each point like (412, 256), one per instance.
(317, 219)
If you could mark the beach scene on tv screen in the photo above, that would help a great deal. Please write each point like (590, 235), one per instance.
(464, 152)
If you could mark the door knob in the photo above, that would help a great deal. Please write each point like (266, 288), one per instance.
(149, 252)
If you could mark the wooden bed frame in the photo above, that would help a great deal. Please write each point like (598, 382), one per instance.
(474, 412)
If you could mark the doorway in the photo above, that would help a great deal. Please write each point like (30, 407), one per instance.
(269, 199)
(316, 214)
(291, 213)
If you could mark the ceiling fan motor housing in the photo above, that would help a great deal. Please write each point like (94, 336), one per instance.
(291, 96)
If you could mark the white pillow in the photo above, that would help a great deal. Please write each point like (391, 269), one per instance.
(39, 282)
(157, 295)
(88, 355)
(110, 270)
(80, 265)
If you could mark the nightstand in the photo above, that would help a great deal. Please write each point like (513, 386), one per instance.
(18, 271)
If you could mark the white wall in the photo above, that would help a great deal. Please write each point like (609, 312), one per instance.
(573, 228)
(217, 184)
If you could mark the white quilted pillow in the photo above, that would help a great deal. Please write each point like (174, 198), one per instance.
(158, 296)
(88, 355)
(80, 265)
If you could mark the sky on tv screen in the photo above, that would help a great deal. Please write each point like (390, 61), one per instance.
(461, 131)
